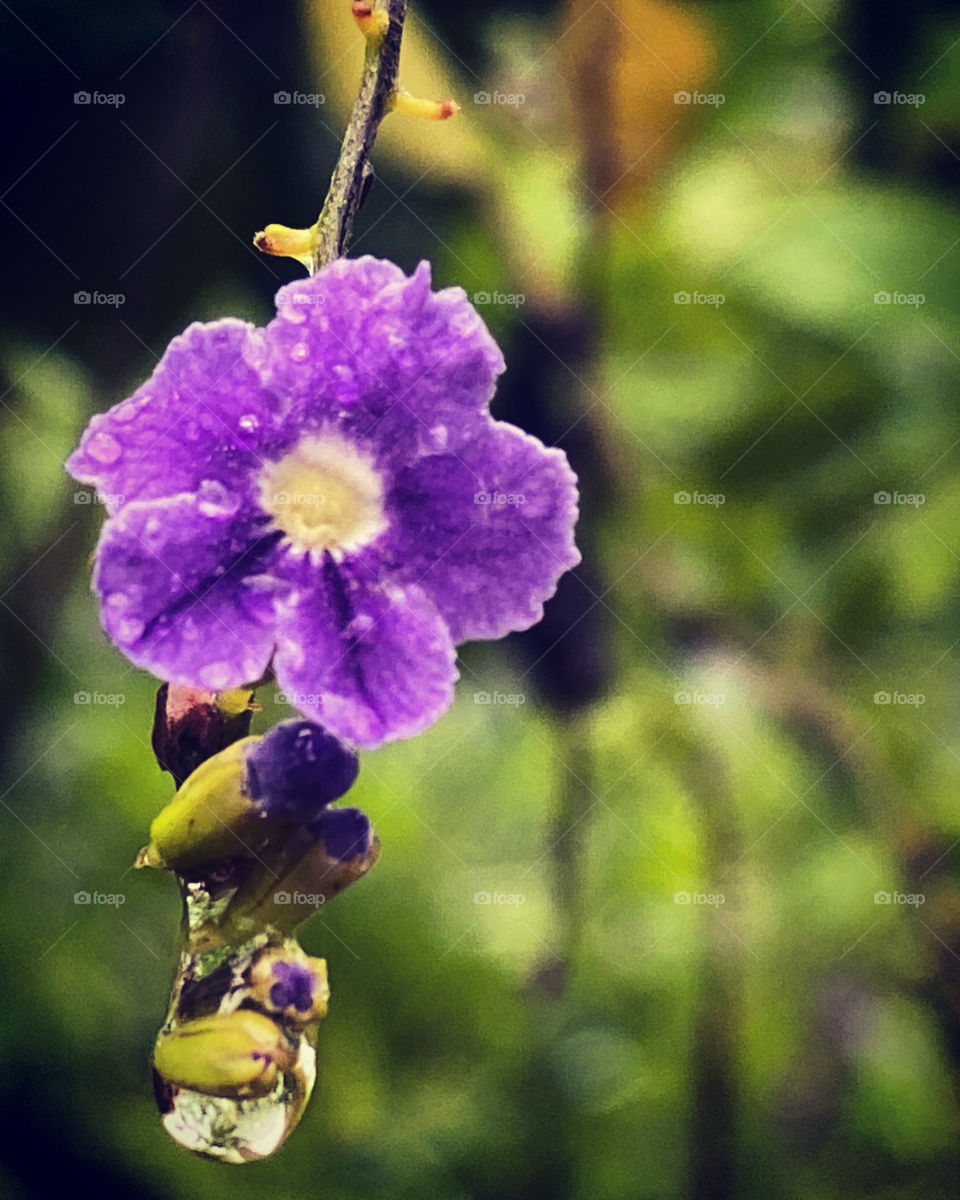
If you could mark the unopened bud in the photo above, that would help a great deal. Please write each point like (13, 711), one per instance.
(425, 110)
(286, 982)
(238, 1054)
(239, 798)
(191, 725)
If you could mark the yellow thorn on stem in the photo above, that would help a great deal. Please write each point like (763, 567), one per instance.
(373, 22)
(426, 110)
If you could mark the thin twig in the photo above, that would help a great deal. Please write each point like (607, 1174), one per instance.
(377, 85)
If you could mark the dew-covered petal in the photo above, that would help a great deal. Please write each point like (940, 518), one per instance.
(371, 663)
(203, 414)
(399, 367)
(187, 591)
(487, 532)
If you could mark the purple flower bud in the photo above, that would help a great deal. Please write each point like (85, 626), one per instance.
(346, 832)
(297, 769)
(294, 987)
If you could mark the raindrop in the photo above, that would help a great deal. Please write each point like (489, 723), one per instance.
(104, 448)
(299, 352)
(129, 629)
(217, 676)
(249, 423)
(215, 500)
(239, 1131)
(128, 410)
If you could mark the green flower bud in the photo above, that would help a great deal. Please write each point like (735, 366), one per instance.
(236, 800)
(208, 818)
(292, 880)
(238, 1054)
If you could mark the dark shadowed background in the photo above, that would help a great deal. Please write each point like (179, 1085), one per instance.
(669, 903)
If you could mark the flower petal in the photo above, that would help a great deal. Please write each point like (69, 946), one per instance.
(363, 347)
(202, 415)
(188, 595)
(371, 663)
(487, 532)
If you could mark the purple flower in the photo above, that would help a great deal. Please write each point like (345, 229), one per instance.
(328, 494)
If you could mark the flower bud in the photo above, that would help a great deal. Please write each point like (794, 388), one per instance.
(426, 110)
(190, 725)
(345, 832)
(236, 800)
(291, 881)
(297, 768)
(286, 982)
(238, 1054)
(285, 242)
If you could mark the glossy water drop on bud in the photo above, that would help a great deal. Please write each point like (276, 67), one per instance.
(238, 1054)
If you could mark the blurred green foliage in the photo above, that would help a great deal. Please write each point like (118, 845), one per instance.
(799, 1039)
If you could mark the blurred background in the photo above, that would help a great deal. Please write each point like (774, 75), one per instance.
(669, 903)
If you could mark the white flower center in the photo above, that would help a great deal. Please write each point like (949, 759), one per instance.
(325, 496)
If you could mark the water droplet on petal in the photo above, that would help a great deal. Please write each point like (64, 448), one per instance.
(104, 448)
(299, 352)
(153, 534)
(362, 623)
(215, 500)
(217, 676)
(128, 630)
(263, 583)
(127, 411)
(249, 423)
